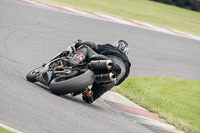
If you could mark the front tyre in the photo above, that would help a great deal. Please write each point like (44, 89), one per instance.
(73, 84)
(31, 76)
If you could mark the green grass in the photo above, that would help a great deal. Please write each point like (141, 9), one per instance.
(3, 130)
(175, 100)
(162, 15)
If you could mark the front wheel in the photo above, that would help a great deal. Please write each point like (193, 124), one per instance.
(74, 84)
(31, 76)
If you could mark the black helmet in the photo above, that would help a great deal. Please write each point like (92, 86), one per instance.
(122, 46)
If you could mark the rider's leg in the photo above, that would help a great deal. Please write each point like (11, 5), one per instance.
(96, 91)
(99, 90)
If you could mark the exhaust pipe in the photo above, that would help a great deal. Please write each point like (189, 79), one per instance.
(104, 78)
(101, 64)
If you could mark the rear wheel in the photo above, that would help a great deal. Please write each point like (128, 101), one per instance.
(74, 84)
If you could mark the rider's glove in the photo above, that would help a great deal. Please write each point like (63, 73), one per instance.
(92, 45)
(78, 44)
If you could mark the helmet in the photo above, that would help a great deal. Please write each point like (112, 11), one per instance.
(121, 46)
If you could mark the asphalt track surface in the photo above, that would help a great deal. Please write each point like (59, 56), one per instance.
(31, 35)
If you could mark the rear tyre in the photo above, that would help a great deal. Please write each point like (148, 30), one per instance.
(74, 84)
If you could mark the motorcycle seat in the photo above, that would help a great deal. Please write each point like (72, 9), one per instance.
(98, 57)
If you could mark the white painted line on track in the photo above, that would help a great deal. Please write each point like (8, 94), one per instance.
(112, 19)
(9, 128)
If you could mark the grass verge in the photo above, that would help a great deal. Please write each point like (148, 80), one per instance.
(3, 130)
(159, 14)
(175, 100)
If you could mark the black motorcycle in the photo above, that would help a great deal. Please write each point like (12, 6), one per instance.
(63, 78)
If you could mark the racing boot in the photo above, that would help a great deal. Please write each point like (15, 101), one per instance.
(87, 96)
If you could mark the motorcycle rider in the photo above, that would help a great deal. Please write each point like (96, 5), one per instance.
(117, 52)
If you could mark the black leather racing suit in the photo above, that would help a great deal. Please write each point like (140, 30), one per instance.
(89, 48)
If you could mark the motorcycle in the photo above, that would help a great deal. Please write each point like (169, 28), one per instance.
(61, 78)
